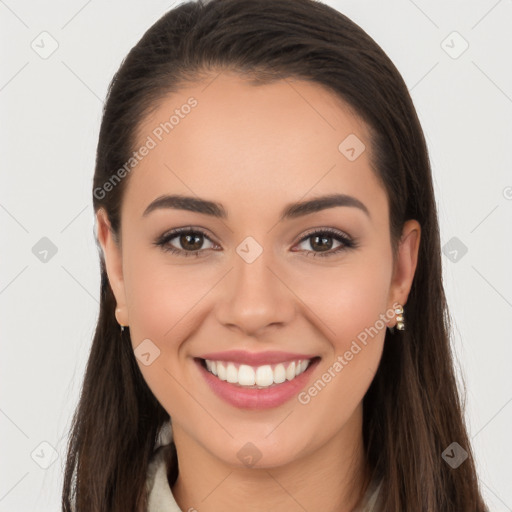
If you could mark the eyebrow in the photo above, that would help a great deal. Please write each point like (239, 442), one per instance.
(291, 211)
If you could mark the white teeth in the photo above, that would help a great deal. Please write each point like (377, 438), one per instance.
(279, 374)
(231, 373)
(290, 371)
(246, 376)
(260, 376)
(264, 376)
(221, 371)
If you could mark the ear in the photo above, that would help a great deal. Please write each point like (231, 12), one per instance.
(405, 265)
(113, 263)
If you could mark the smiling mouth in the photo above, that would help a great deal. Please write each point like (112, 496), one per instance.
(256, 377)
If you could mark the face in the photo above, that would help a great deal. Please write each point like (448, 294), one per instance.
(254, 283)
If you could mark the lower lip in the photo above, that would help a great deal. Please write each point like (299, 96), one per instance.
(251, 398)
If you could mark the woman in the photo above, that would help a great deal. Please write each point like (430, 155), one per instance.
(300, 360)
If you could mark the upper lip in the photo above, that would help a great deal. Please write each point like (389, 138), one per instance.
(255, 358)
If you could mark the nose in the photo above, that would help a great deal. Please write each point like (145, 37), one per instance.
(255, 297)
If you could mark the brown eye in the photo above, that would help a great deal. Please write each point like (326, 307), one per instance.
(185, 242)
(321, 242)
(191, 242)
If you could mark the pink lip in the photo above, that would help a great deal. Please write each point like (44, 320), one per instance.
(257, 399)
(255, 358)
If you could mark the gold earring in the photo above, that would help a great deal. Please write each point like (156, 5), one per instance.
(118, 310)
(400, 323)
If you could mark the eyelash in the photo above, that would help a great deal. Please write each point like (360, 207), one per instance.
(347, 243)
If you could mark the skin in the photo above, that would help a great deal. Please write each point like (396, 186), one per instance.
(256, 149)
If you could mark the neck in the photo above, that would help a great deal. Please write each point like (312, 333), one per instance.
(332, 478)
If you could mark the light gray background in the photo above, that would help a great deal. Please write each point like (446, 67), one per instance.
(50, 113)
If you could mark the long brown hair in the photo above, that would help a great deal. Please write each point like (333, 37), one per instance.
(412, 411)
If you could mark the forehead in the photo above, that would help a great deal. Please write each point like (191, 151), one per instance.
(228, 140)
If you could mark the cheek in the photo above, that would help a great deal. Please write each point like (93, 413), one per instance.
(161, 301)
(162, 296)
(354, 326)
(345, 301)
(360, 306)
(356, 316)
